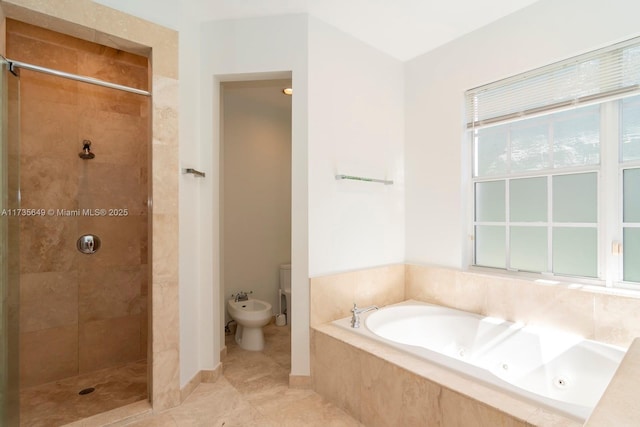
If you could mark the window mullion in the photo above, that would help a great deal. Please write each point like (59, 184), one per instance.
(507, 233)
(550, 204)
(507, 204)
(550, 224)
(609, 188)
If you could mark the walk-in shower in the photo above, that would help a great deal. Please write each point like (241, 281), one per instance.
(83, 315)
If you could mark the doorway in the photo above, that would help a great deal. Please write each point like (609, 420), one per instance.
(255, 197)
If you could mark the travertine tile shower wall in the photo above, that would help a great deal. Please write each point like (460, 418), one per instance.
(80, 313)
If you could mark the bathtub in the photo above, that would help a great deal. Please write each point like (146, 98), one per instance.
(549, 368)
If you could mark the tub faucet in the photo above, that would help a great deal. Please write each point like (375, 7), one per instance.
(355, 319)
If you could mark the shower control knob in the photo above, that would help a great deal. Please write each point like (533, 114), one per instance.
(88, 243)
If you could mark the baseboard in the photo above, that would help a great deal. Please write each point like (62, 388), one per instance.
(203, 376)
(190, 386)
(211, 376)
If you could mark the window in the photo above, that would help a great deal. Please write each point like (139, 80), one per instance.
(556, 168)
(630, 149)
(631, 225)
(536, 189)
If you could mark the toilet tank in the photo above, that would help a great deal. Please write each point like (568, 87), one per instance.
(285, 276)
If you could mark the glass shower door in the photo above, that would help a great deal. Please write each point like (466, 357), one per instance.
(9, 246)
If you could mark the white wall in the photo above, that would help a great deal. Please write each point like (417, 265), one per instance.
(437, 154)
(256, 165)
(251, 49)
(192, 191)
(217, 51)
(356, 127)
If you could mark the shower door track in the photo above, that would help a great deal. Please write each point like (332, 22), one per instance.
(17, 64)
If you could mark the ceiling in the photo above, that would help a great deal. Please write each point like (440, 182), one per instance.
(400, 28)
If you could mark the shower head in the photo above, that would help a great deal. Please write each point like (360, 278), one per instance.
(86, 153)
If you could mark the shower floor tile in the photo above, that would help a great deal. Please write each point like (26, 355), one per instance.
(59, 402)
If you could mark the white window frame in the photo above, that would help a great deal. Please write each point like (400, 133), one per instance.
(609, 211)
(604, 77)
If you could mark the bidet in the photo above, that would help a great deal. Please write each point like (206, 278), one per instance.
(250, 315)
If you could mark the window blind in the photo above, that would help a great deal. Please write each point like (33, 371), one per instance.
(608, 73)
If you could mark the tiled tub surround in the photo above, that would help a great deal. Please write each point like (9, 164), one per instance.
(591, 312)
(332, 297)
(558, 371)
(360, 375)
(619, 406)
(382, 386)
(81, 313)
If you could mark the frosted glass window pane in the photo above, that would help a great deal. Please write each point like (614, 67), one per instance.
(530, 145)
(528, 199)
(630, 138)
(529, 248)
(631, 195)
(576, 137)
(631, 254)
(575, 198)
(491, 151)
(490, 246)
(490, 203)
(575, 251)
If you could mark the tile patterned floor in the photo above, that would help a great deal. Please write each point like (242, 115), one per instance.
(253, 392)
(59, 403)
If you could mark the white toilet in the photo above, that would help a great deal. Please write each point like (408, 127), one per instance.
(285, 291)
(250, 315)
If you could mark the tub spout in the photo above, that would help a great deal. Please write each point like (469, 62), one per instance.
(355, 318)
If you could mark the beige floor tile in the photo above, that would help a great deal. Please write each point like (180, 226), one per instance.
(161, 420)
(278, 398)
(312, 411)
(262, 378)
(253, 392)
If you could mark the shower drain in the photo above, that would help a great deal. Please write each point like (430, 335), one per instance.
(87, 390)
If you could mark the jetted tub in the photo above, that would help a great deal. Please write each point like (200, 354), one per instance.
(557, 370)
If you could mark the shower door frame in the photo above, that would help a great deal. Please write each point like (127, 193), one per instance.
(9, 246)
